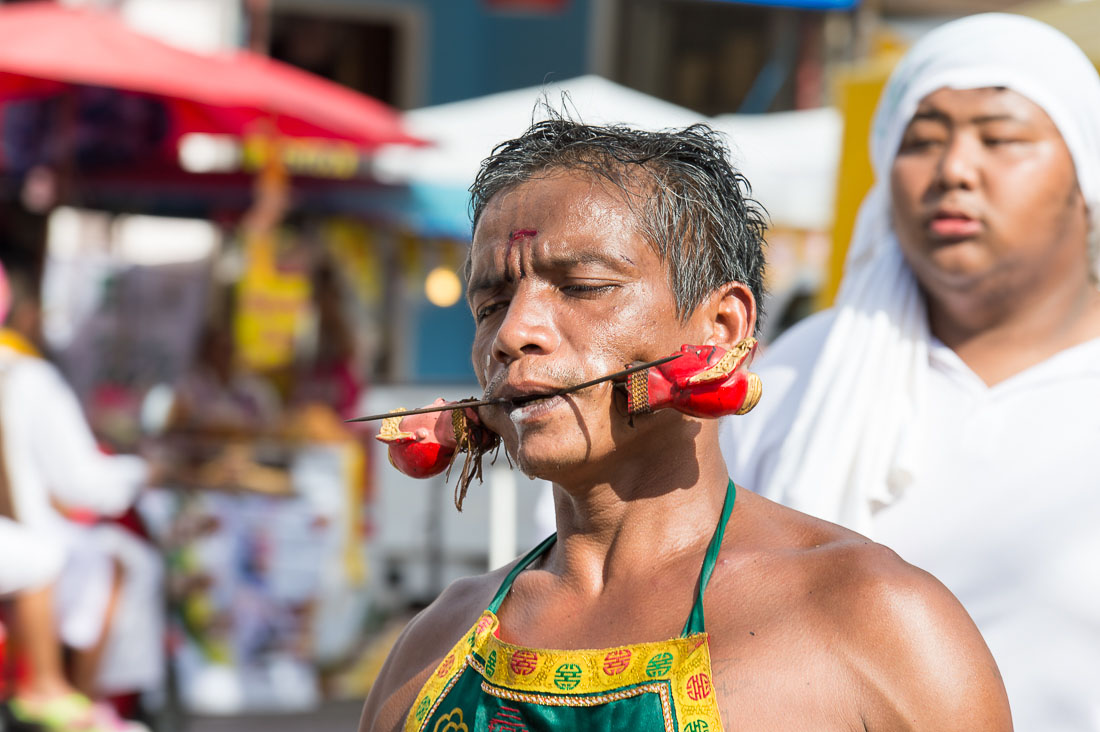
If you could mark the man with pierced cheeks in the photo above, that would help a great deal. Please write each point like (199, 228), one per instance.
(596, 247)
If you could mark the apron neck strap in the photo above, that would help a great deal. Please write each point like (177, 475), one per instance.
(524, 563)
(695, 623)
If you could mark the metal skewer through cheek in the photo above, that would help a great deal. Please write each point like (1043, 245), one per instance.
(524, 399)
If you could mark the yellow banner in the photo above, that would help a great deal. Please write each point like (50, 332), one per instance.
(272, 306)
(303, 156)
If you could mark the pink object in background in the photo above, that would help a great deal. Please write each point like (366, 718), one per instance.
(5, 295)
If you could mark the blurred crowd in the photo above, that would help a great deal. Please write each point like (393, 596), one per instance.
(89, 586)
(85, 534)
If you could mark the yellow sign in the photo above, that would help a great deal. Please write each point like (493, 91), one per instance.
(303, 156)
(352, 244)
(272, 307)
(857, 95)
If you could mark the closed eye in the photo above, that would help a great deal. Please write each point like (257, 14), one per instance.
(486, 310)
(582, 290)
(918, 144)
(997, 141)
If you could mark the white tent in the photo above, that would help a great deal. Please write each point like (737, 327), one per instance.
(790, 159)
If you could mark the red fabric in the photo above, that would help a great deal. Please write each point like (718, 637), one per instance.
(333, 384)
(3, 651)
(126, 706)
(44, 46)
(13, 668)
(131, 521)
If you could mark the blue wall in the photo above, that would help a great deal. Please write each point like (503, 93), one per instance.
(443, 340)
(473, 51)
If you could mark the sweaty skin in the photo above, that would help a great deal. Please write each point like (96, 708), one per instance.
(518, 236)
(812, 627)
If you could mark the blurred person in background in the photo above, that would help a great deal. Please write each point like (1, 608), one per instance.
(218, 398)
(947, 405)
(595, 247)
(332, 375)
(105, 603)
(221, 412)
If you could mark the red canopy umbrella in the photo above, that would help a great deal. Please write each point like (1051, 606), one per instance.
(45, 47)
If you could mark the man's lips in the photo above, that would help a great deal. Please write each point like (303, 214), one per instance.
(526, 393)
(529, 402)
(536, 410)
(951, 225)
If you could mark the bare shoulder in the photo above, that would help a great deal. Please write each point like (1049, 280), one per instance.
(920, 659)
(420, 648)
(906, 651)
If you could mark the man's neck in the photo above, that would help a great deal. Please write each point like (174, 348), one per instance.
(656, 512)
(998, 340)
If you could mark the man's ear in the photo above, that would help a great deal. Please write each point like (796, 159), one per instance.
(731, 315)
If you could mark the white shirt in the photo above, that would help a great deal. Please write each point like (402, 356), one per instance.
(50, 451)
(1005, 510)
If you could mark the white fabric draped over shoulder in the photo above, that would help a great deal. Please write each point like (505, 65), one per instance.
(854, 445)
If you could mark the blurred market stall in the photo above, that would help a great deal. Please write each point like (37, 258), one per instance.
(196, 323)
(45, 47)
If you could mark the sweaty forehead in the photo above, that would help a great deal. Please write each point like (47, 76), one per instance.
(559, 206)
(978, 105)
(551, 225)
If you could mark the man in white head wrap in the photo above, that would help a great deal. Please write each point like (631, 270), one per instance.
(949, 405)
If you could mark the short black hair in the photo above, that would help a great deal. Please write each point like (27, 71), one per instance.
(695, 208)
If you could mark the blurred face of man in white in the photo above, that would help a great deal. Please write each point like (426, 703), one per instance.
(989, 216)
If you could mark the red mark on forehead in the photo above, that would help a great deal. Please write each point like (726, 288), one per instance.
(516, 236)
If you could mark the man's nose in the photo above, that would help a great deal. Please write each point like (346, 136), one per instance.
(959, 164)
(528, 328)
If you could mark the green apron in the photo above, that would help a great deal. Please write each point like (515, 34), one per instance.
(487, 685)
